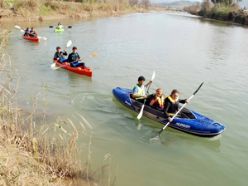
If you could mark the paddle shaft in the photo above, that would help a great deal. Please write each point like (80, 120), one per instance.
(175, 115)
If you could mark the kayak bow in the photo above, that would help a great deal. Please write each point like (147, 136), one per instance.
(195, 123)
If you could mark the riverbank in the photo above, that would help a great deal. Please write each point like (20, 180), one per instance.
(28, 153)
(221, 12)
(44, 10)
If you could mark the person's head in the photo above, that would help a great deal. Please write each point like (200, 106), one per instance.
(59, 23)
(159, 92)
(141, 80)
(58, 49)
(32, 28)
(175, 94)
(74, 49)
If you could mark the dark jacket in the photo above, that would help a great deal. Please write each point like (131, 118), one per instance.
(60, 55)
(73, 57)
(170, 107)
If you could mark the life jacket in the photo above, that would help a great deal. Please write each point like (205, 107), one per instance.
(173, 101)
(159, 100)
(141, 90)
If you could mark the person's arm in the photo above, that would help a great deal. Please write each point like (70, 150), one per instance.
(69, 58)
(78, 57)
(167, 105)
(56, 57)
(65, 53)
(135, 92)
(150, 82)
(183, 101)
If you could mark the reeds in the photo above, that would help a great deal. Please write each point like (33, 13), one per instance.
(28, 154)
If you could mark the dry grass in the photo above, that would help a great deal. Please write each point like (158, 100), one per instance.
(33, 9)
(28, 155)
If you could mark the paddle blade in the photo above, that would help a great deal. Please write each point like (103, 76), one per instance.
(69, 43)
(44, 38)
(18, 27)
(155, 139)
(53, 66)
(153, 76)
(93, 54)
(141, 112)
(51, 26)
(198, 88)
(69, 26)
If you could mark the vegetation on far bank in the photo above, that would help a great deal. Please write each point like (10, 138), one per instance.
(74, 9)
(224, 10)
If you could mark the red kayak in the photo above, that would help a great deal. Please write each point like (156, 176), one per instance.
(33, 39)
(79, 70)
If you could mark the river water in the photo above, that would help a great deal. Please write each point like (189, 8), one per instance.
(184, 51)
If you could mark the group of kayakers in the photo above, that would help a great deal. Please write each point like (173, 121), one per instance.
(30, 32)
(168, 104)
(73, 58)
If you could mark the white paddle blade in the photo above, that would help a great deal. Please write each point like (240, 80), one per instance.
(41, 37)
(18, 27)
(53, 66)
(153, 76)
(69, 43)
(141, 112)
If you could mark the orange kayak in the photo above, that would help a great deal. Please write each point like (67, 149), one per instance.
(33, 39)
(78, 70)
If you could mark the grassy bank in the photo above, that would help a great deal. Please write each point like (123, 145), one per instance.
(28, 154)
(220, 11)
(32, 10)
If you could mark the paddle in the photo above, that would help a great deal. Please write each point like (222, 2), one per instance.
(191, 97)
(23, 31)
(143, 106)
(51, 26)
(53, 66)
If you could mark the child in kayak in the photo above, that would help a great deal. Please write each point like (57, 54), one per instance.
(32, 33)
(60, 55)
(139, 92)
(74, 58)
(172, 104)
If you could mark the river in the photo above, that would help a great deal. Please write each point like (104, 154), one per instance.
(184, 51)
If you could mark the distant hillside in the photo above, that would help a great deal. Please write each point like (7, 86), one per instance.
(180, 4)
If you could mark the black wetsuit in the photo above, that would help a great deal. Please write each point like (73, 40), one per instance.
(172, 108)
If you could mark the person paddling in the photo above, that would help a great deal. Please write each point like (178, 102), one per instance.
(60, 55)
(156, 100)
(139, 92)
(59, 26)
(32, 32)
(26, 33)
(74, 59)
(172, 104)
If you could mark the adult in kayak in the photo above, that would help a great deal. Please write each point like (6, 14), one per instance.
(59, 26)
(32, 33)
(60, 55)
(26, 33)
(74, 58)
(156, 100)
(172, 105)
(139, 92)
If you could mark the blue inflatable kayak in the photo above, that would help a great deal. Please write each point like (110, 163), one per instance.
(195, 123)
